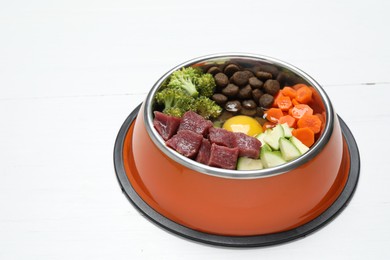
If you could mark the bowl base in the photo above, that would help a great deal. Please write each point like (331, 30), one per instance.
(239, 241)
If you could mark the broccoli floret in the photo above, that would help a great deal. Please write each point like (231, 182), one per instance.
(175, 101)
(207, 108)
(185, 79)
(205, 84)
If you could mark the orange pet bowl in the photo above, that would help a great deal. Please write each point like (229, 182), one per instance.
(230, 207)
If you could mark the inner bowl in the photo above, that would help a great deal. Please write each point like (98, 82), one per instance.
(285, 73)
(230, 202)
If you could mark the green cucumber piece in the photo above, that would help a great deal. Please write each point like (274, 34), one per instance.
(288, 150)
(299, 145)
(272, 137)
(246, 163)
(287, 131)
(271, 159)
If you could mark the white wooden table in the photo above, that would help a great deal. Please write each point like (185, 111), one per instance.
(71, 72)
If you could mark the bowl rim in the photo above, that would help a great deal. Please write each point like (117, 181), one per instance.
(239, 174)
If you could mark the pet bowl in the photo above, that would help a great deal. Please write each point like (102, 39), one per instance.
(230, 207)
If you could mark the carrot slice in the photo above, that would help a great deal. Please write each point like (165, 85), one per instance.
(304, 95)
(287, 119)
(298, 86)
(295, 102)
(276, 98)
(268, 125)
(289, 92)
(299, 110)
(273, 114)
(305, 135)
(284, 103)
(310, 121)
(321, 117)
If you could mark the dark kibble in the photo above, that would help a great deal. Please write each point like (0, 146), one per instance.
(221, 80)
(225, 115)
(231, 90)
(214, 70)
(233, 106)
(271, 87)
(255, 82)
(231, 69)
(245, 92)
(266, 101)
(249, 73)
(260, 119)
(256, 94)
(219, 99)
(248, 112)
(240, 78)
(262, 75)
(249, 104)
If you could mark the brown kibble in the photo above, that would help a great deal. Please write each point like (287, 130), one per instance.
(231, 69)
(245, 92)
(240, 78)
(262, 75)
(221, 80)
(260, 119)
(219, 99)
(271, 87)
(249, 73)
(214, 70)
(249, 104)
(255, 82)
(248, 112)
(266, 101)
(256, 94)
(230, 90)
(233, 106)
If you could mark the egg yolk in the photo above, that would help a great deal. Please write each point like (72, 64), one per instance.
(243, 124)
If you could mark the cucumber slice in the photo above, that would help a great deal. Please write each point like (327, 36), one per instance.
(271, 159)
(286, 130)
(245, 163)
(299, 145)
(288, 150)
(272, 137)
(260, 137)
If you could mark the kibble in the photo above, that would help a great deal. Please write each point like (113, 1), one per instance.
(233, 106)
(231, 69)
(230, 90)
(214, 70)
(220, 99)
(255, 82)
(245, 92)
(262, 75)
(249, 104)
(266, 101)
(271, 87)
(240, 78)
(221, 80)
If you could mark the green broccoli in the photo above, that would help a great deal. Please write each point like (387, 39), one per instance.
(207, 108)
(185, 79)
(175, 101)
(205, 84)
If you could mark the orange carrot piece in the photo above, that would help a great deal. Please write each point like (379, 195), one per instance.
(290, 92)
(268, 125)
(276, 98)
(299, 110)
(310, 121)
(298, 86)
(305, 135)
(321, 117)
(284, 103)
(304, 95)
(295, 102)
(287, 119)
(273, 114)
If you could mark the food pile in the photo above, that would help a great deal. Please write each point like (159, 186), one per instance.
(237, 118)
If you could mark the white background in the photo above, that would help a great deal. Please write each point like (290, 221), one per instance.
(72, 71)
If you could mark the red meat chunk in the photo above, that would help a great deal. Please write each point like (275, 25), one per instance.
(222, 137)
(223, 157)
(247, 145)
(204, 152)
(186, 143)
(165, 125)
(196, 123)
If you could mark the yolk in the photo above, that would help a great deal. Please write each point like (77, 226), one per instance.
(243, 124)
